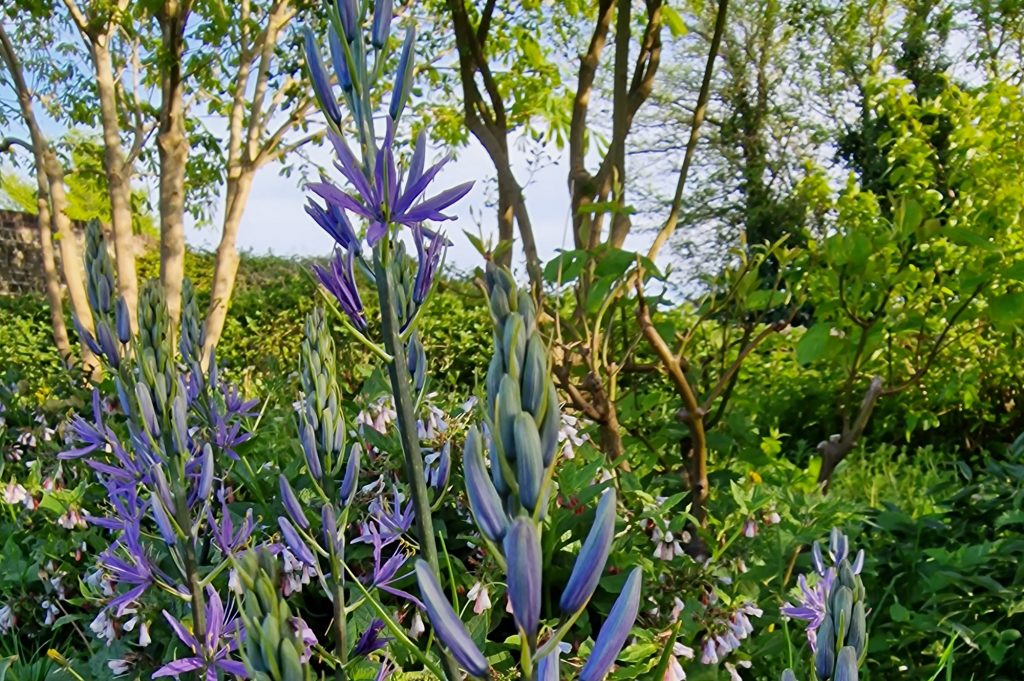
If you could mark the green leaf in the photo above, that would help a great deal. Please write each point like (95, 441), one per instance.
(898, 613)
(674, 21)
(909, 215)
(615, 263)
(598, 292)
(1015, 272)
(477, 242)
(814, 344)
(1007, 309)
(965, 237)
(565, 266)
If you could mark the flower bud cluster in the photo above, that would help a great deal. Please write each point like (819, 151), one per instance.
(836, 611)
(509, 504)
(320, 419)
(110, 318)
(181, 421)
(278, 644)
(843, 636)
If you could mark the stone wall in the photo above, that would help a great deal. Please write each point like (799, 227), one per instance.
(21, 260)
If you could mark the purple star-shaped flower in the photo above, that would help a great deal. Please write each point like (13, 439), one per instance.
(212, 653)
(371, 639)
(339, 278)
(811, 608)
(386, 198)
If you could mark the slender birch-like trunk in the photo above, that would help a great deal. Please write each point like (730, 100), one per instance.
(47, 163)
(118, 174)
(250, 147)
(172, 145)
(54, 295)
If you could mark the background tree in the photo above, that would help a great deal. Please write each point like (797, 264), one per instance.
(52, 204)
(100, 23)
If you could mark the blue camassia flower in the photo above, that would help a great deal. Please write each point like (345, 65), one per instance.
(211, 656)
(388, 198)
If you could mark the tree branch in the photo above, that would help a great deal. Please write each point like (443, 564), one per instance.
(691, 146)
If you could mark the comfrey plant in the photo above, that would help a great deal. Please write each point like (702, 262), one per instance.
(835, 611)
(166, 483)
(509, 505)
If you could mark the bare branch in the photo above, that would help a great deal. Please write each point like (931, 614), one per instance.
(698, 117)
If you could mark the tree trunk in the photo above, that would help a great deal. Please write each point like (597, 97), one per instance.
(697, 463)
(71, 257)
(620, 125)
(225, 268)
(611, 438)
(118, 180)
(173, 152)
(506, 219)
(47, 163)
(837, 447)
(54, 295)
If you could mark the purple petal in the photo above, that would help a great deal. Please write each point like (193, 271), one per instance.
(418, 184)
(214, 618)
(375, 232)
(351, 169)
(430, 209)
(418, 158)
(295, 543)
(182, 666)
(233, 667)
(183, 634)
(333, 195)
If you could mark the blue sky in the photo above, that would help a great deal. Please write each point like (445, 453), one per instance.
(275, 221)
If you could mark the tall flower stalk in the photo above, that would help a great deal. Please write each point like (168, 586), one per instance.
(835, 610)
(184, 424)
(333, 468)
(389, 197)
(510, 502)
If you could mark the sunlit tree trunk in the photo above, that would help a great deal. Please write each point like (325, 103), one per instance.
(48, 164)
(118, 175)
(54, 295)
(250, 146)
(172, 145)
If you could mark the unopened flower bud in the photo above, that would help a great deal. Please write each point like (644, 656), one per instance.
(403, 79)
(450, 629)
(483, 498)
(522, 553)
(291, 503)
(590, 563)
(615, 629)
(381, 23)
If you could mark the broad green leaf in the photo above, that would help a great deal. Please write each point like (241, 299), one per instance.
(898, 613)
(814, 344)
(615, 263)
(565, 266)
(674, 21)
(909, 216)
(1007, 309)
(966, 237)
(1015, 272)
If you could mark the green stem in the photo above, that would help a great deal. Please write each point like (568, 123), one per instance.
(401, 388)
(195, 585)
(340, 633)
